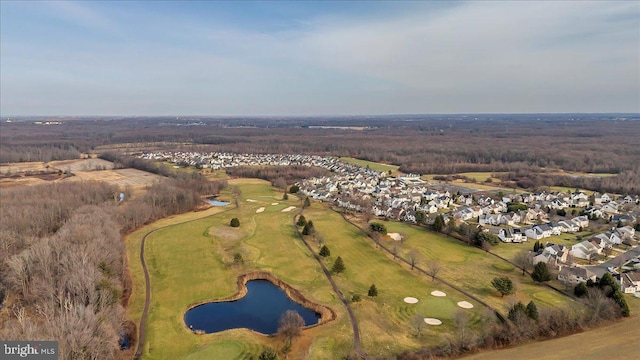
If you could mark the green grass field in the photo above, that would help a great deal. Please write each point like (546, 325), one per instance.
(373, 165)
(192, 262)
(473, 269)
(385, 321)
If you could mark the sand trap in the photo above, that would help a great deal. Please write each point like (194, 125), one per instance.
(274, 203)
(260, 210)
(251, 200)
(438, 293)
(410, 300)
(465, 304)
(395, 236)
(432, 321)
(288, 209)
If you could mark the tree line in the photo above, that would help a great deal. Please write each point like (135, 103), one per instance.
(62, 264)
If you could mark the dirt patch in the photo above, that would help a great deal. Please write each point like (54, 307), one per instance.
(226, 233)
(82, 165)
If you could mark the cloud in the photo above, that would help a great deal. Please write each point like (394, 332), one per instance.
(81, 14)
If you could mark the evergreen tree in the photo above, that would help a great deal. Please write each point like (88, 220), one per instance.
(294, 189)
(504, 285)
(302, 221)
(338, 266)
(580, 290)
(324, 251)
(378, 227)
(517, 309)
(373, 291)
(234, 222)
(307, 203)
(308, 229)
(536, 246)
(532, 310)
(541, 273)
(438, 224)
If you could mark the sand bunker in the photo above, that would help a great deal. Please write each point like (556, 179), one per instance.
(438, 293)
(288, 209)
(432, 321)
(274, 203)
(410, 300)
(260, 210)
(465, 305)
(395, 236)
(251, 200)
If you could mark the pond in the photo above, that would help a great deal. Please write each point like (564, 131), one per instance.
(215, 202)
(259, 310)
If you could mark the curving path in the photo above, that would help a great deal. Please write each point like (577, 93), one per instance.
(419, 269)
(357, 348)
(147, 285)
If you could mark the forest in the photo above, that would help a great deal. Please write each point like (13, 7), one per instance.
(63, 273)
(522, 144)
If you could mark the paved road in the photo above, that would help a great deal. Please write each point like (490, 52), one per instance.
(601, 269)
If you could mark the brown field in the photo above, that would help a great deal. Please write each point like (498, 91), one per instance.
(120, 177)
(81, 165)
(612, 342)
(22, 167)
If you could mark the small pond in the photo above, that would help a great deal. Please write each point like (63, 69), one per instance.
(259, 310)
(215, 202)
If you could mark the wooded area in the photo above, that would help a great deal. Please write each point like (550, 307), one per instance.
(446, 144)
(62, 261)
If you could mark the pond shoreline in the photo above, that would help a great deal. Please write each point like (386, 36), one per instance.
(326, 314)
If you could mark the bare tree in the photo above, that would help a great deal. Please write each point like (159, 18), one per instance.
(462, 323)
(433, 268)
(414, 258)
(418, 324)
(290, 325)
(523, 260)
(395, 248)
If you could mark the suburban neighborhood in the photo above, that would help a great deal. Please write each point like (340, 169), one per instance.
(603, 224)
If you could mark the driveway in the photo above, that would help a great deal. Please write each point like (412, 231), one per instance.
(601, 269)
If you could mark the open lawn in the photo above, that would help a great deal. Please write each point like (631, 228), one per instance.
(373, 165)
(473, 269)
(189, 263)
(385, 321)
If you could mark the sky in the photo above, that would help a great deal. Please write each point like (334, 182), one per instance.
(318, 58)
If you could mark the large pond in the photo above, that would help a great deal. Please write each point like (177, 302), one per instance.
(259, 310)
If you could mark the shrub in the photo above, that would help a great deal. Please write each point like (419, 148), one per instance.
(235, 222)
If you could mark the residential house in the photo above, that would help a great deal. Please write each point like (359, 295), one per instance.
(630, 282)
(581, 221)
(575, 275)
(584, 250)
(534, 232)
(490, 219)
